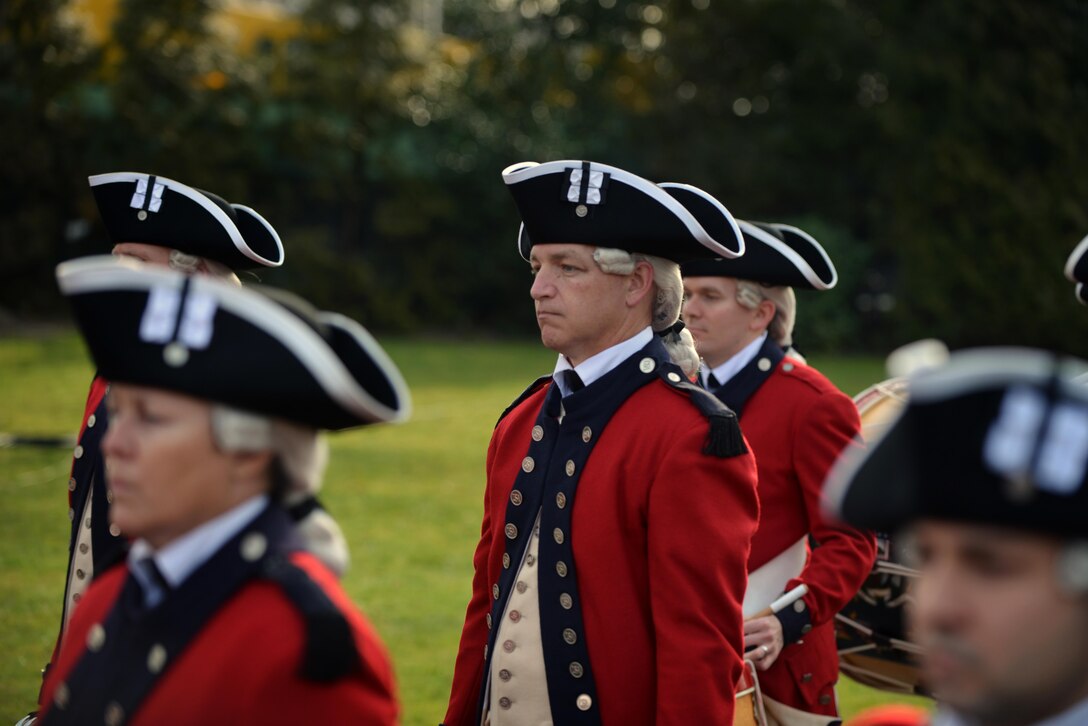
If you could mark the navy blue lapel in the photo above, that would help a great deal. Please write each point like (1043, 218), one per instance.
(738, 389)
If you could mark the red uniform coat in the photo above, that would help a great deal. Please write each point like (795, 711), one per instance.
(242, 667)
(797, 424)
(660, 534)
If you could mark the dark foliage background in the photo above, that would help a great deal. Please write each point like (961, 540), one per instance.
(938, 150)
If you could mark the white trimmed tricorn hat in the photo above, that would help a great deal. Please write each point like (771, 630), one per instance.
(774, 254)
(256, 349)
(1076, 269)
(585, 202)
(158, 211)
(996, 436)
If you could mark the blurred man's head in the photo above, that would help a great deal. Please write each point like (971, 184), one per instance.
(985, 474)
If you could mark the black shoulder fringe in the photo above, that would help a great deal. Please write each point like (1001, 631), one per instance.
(724, 439)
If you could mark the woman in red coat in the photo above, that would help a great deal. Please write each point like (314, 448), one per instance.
(217, 394)
(741, 314)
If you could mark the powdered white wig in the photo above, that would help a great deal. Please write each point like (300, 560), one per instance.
(668, 296)
(301, 455)
(751, 294)
(190, 264)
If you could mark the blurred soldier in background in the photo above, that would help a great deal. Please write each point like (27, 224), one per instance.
(986, 473)
(741, 312)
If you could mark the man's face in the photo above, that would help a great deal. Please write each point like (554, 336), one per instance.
(1004, 642)
(580, 309)
(720, 325)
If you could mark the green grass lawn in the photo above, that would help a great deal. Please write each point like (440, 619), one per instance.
(408, 497)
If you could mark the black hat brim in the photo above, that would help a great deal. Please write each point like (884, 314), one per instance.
(261, 356)
(632, 214)
(1076, 267)
(171, 214)
(774, 254)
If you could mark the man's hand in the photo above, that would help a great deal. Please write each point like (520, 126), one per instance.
(763, 641)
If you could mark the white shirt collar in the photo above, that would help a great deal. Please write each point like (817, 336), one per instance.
(179, 559)
(597, 365)
(734, 365)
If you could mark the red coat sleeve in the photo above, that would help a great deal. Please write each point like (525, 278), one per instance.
(469, 667)
(702, 513)
(844, 555)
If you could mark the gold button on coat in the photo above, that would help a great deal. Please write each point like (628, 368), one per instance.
(584, 702)
(570, 467)
(78, 452)
(647, 365)
(115, 715)
(558, 534)
(516, 498)
(96, 638)
(527, 464)
(522, 586)
(587, 434)
(674, 376)
(156, 658)
(253, 546)
(561, 568)
(504, 702)
(511, 531)
(91, 421)
(538, 432)
(569, 636)
(764, 364)
(509, 646)
(495, 591)
(504, 674)
(560, 500)
(566, 601)
(515, 616)
(576, 669)
(506, 560)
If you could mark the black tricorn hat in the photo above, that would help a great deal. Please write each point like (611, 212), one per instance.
(256, 349)
(774, 254)
(159, 211)
(996, 436)
(583, 202)
(1082, 293)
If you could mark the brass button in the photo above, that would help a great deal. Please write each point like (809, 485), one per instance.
(569, 636)
(764, 364)
(253, 546)
(78, 452)
(495, 591)
(156, 658)
(141, 215)
(799, 606)
(647, 365)
(72, 484)
(516, 498)
(527, 464)
(115, 715)
(581, 210)
(87, 522)
(558, 534)
(96, 638)
(80, 574)
(566, 601)
(584, 702)
(530, 560)
(115, 530)
(506, 560)
(175, 354)
(538, 432)
(91, 421)
(576, 669)
(489, 621)
(83, 547)
(587, 434)
(522, 586)
(109, 496)
(511, 531)
(561, 568)
(673, 376)
(60, 695)
(504, 702)
(504, 674)
(509, 646)
(561, 500)
(515, 616)
(570, 467)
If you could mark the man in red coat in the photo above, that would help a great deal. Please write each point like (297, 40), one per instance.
(620, 498)
(741, 314)
(218, 615)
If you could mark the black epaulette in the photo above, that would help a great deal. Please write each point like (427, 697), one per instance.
(533, 388)
(329, 652)
(724, 438)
